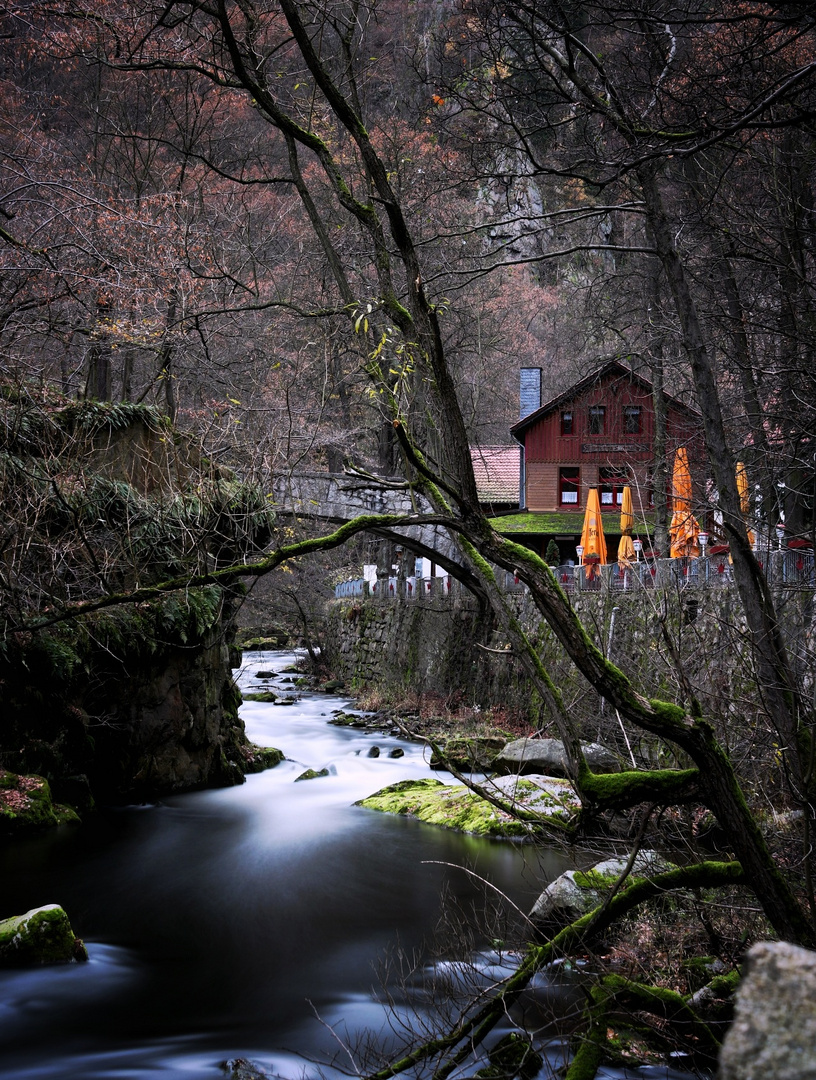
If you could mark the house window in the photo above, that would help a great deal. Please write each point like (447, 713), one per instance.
(597, 419)
(569, 483)
(566, 422)
(631, 419)
(611, 483)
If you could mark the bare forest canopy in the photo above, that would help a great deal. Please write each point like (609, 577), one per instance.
(329, 234)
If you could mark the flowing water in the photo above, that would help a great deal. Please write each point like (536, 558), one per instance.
(251, 921)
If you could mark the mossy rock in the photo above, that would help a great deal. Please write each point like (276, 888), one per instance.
(41, 936)
(345, 719)
(242, 1069)
(263, 695)
(715, 1000)
(332, 686)
(26, 804)
(577, 892)
(262, 758)
(312, 774)
(455, 807)
(548, 796)
(262, 644)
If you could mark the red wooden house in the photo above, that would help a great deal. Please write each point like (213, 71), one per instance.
(597, 433)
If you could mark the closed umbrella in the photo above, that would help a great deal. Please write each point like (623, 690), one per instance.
(742, 488)
(684, 528)
(626, 549)
(592, 537)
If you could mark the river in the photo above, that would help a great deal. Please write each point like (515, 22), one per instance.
(254, 921)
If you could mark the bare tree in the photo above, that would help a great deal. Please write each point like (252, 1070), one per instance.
(596, 98)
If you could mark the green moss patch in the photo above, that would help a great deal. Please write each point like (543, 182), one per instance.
(559, 521)
(26, 804)
(261, 644)
(312, 774)
(455, 807)
(260, 758)
(41, 936)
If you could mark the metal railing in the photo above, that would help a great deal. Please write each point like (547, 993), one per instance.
(410, 588)
(787, 569)
(358, 587)
(795, 569)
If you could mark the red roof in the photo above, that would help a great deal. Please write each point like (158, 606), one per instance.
(497, 471)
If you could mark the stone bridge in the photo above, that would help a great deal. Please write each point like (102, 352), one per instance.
(335, 499)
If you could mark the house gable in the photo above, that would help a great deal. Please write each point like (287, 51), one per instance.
(598, 433)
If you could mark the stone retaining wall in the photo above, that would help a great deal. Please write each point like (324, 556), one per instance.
(658, 637)
(427, 645)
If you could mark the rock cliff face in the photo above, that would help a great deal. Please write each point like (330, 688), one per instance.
(100, 498)
(128, 705)
(169, 722)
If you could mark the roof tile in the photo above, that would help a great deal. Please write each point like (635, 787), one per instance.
(497, 471)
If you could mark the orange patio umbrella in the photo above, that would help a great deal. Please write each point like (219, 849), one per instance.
(626, 549)
(592, 537)
(742, 488)
(684, 528)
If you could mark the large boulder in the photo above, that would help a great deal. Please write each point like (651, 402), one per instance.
(773, 1035)
(41, 936)
(457, 807)
(577, 892)
(468, 754)
(547, 757)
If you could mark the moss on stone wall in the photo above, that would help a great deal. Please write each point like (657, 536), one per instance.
(427, 644)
